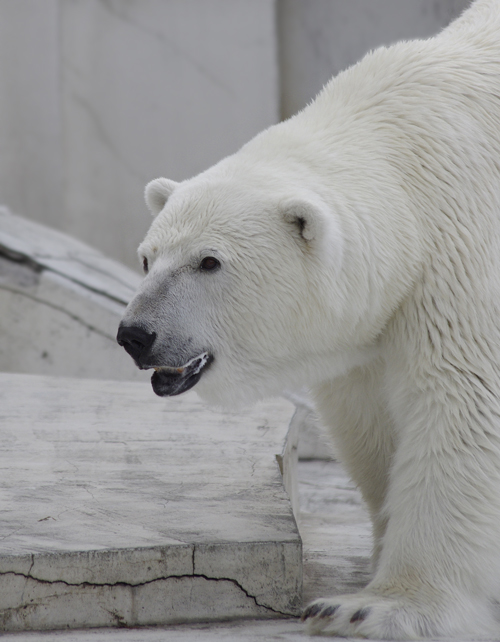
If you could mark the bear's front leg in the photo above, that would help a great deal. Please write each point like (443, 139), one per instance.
(354, 410)
(439, 567)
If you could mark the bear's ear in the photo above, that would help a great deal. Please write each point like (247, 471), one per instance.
(316, 226)
(303, 217)
(157, 193)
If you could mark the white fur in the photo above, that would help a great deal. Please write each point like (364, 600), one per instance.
(157, 193)
(385, 300)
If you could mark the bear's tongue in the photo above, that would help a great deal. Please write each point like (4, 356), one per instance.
(191, 367)
(169, 381)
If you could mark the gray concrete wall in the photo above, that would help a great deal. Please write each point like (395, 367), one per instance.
(97, 97)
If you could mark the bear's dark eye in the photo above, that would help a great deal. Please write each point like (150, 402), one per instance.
(145, 265)
(209, 264)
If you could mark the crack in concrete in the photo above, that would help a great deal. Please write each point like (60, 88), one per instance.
(38, 267)
(29, 571)
(132, 585)
(19, 257)
(79, 258)
(119, 619)
(72, 316)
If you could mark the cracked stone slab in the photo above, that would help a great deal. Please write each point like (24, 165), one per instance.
(77, 296)
(24, 240)
(121, 508)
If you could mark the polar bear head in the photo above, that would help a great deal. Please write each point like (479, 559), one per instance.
(245, 291)
(235, 261)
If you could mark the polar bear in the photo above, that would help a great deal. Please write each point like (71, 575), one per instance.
(355, 249)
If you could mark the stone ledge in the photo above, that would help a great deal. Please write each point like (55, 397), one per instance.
(125, 509)
(77, 296)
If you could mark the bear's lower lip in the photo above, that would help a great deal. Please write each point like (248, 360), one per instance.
(168, 381)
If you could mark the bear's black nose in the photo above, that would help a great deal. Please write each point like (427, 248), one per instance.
(135, 339)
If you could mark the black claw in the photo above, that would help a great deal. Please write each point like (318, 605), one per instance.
(311, 611)
(331, 610)
(360, 615)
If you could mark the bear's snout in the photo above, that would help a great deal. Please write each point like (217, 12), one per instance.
(136, 341)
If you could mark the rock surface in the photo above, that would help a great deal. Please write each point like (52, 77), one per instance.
(61, 303)
(122, 509)
(337, 542)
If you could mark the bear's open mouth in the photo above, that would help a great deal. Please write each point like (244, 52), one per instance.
(168, 381)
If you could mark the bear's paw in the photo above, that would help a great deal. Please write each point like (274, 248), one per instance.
(370, 615)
